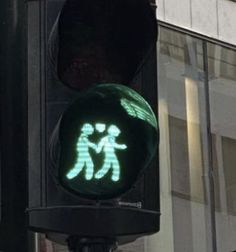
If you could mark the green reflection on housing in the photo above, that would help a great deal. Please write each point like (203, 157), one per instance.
(135, 110)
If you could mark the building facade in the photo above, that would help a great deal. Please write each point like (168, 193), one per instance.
(197, 98)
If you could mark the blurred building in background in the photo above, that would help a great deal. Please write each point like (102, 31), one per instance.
(197, 100)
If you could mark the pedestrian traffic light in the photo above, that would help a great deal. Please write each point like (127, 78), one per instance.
(107, 137)
(92, 120)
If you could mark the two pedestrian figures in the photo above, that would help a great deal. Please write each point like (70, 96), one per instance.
(107, 144)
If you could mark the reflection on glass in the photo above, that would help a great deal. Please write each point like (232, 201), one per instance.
(222, 72)
(181, 93)
(194, 138)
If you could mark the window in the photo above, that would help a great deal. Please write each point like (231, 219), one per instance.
(183, 124)
(197, 92)
(222, 87)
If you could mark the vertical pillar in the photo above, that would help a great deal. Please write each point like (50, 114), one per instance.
(13, 126)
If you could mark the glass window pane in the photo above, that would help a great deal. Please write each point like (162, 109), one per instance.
(183, 164)
(222, 72)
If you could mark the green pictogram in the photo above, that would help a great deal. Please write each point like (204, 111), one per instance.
(100, 127)
(84, 159)
(107, 144)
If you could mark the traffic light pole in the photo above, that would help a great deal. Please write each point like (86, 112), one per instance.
(76, 244)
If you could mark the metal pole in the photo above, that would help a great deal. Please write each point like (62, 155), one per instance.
(13, 125)
(210, 177)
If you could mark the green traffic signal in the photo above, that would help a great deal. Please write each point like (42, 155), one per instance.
(109, 147)
(107, 137)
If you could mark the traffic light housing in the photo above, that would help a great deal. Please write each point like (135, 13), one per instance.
(94, 43)
(67, 105)
(106, 139)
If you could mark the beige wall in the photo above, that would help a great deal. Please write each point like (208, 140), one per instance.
(213, 18)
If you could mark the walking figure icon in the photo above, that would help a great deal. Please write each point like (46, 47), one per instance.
(83, 157)
(107, 144)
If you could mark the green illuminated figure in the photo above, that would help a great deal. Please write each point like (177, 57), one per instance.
(108, 144)
(84, 159)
